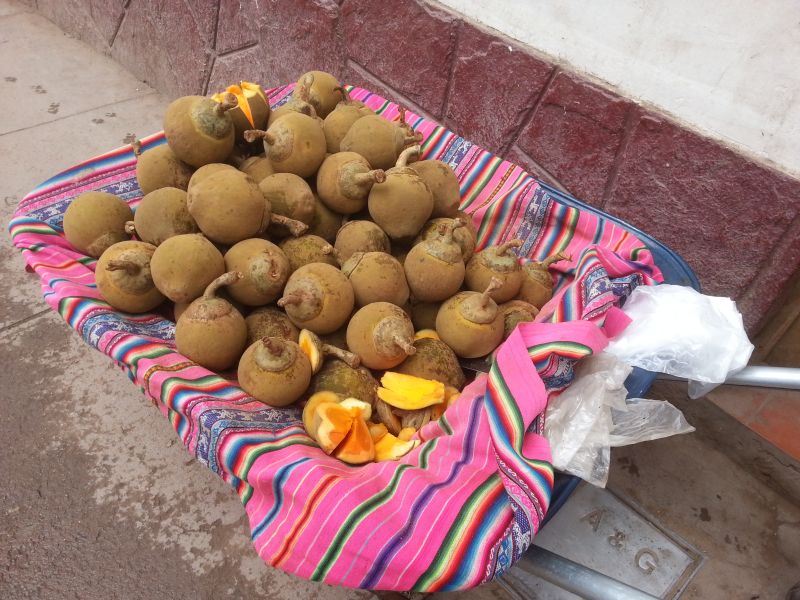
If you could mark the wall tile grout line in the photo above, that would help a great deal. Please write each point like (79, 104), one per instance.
(631, 121)
(528, 116)
(207, 80)
(81, 112)
(764, 267)
(118, 27)
(237, 50)
(451, 71)
(553, 180)
(397, 96)
(27, 319)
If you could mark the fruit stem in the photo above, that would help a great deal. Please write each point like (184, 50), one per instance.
(251, 135)
(408, 348)
(446, 229)
(136, 145)
(352, 360)
(486, 296)
(327, 249)
(296, 228)
(130, 228)
(403, 124)
(229, 101)
(407, 154)
(412, 139)
(297, 297)
(504, 248)
(130, 267)
(225, 279)
(370, 177)
(554, 259)
(272, 345)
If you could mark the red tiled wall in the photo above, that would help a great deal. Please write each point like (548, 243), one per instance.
(735, 221)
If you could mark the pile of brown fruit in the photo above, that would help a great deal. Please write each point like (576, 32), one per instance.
(311, 247)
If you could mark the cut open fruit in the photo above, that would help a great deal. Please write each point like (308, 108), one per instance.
(409, 392)
(358, 447)
(330, 425)
(390, 447)
(426, 333)
(311, 407)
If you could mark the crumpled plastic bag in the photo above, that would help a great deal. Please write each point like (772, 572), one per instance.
(681, 332)
(592, 415)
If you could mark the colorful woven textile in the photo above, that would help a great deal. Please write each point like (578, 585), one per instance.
(465, 504)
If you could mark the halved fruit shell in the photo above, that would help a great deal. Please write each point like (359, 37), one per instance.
(331, 424)
(358, 447)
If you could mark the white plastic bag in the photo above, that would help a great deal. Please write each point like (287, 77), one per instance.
(591, 415)
(679, 331)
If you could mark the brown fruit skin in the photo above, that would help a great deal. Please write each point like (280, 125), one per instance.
(515, 312)
(463, 236)
(161, 214)
(305, 250)
(323, 95)
(434, 360)
(212, 333)
(132, 293)
(537, 285)
(467, 339)
(228, 207)
(338, 123)
(326, 223)
(299, 145)
(257, 260)
(268, 321)
(206, 171)
(257, 167)
(279, 388)
(94, 221)
(196, 133)
(423, 314)
(376, 139)
(159, 167)
(336, 187)
(430, 278)
(335, 293)
(377, 277)
(401, 204)
(364, 337)
(479, 274)
(290, 196)
(360, 236)
(478, 277)
(183, 265)
(443, 184)
(335, 376)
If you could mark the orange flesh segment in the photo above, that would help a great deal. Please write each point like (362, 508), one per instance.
(377, 431)
(311, 407)
(406, 433)
(244, 105)
(311, 351)
(331, 424)
(357, 448)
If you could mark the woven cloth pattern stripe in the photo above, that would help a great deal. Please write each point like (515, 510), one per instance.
(464, 505)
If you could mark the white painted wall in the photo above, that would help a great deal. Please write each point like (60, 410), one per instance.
(729, 68)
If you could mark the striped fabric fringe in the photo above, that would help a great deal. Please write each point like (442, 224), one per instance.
(463, 506)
